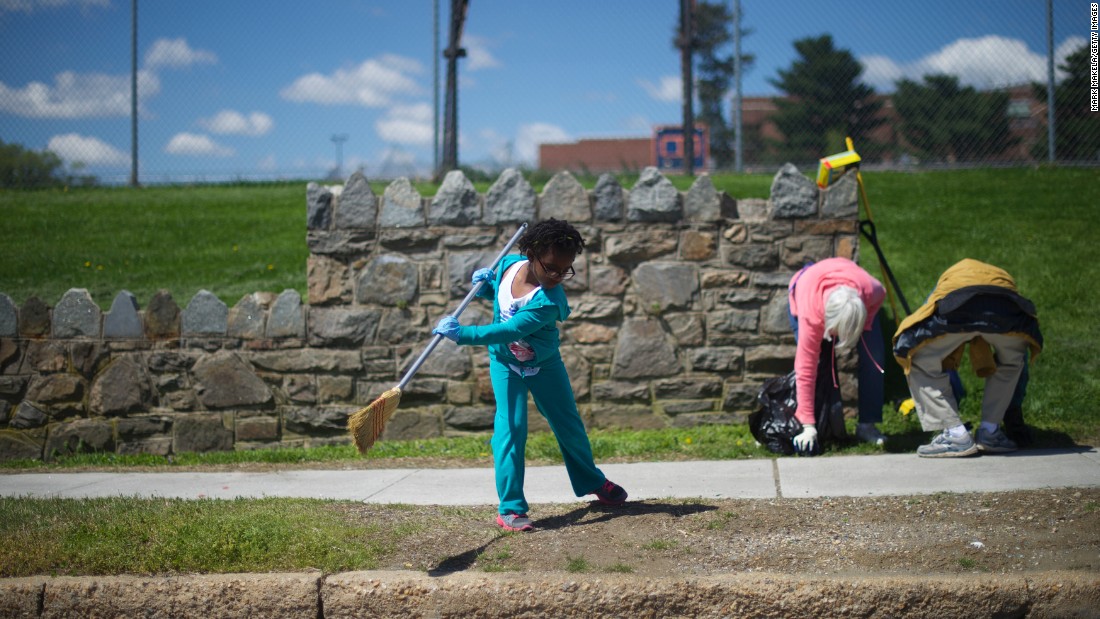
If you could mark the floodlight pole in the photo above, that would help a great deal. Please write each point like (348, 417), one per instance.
(738, 148)
(133, 96)
(435, 85)
(453, 52)
(1050, 82)
(339, 140)
(686, 49)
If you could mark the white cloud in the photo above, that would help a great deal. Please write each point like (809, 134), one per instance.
(406, 124)
(268, 163)
(196, 145)
(986, 62)
(176, 54)
(530, 136)
(668, 89)
(374, 83)
(75, 148)
(96, 95)
(73, 95)
(30, 6)
(638, 122)
(478, 56)
(233, 122)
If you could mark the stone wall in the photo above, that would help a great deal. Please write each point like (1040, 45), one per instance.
(679, 313)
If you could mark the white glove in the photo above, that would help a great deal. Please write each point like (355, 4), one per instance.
(807, 440)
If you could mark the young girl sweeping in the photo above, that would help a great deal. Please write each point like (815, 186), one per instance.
(528, 302)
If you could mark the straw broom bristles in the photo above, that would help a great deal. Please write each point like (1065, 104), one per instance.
(366, 424)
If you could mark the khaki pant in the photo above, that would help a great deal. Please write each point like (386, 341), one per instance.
(931, 387)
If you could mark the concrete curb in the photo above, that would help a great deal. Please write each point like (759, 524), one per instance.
(412, 594)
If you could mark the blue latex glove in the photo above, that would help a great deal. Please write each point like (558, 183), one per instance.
(448, 328)
(482, 275)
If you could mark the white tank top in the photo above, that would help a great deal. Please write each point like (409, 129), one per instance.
(509, 305)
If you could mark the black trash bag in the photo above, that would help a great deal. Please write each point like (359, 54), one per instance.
(774, 425)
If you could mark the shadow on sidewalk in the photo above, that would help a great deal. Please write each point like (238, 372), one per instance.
(464, 561)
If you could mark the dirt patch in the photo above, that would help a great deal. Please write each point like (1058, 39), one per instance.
(994, 533)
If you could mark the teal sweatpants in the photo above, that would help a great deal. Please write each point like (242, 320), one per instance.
(553, 396)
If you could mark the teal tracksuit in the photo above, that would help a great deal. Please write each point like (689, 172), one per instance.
(535, 324)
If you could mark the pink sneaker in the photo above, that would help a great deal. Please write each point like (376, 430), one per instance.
(514, 522)
(610, 493)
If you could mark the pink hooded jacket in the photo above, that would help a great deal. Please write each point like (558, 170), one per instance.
(807, 293)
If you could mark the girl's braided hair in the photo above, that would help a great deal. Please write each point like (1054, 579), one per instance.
(551, 234)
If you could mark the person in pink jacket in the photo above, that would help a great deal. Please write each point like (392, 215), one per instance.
(835, 300)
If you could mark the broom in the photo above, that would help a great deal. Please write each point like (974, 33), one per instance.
(366, 424)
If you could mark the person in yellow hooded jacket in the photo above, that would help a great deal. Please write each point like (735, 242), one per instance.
(977, 304)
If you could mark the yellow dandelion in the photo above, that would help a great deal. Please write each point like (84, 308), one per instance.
(236, 248)
(87, 264)
(687, 441)
(271, 267)
(907, 406)
(99, 267)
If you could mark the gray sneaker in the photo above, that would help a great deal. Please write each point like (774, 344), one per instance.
(514, 522)
(996, 442)
(944, 446)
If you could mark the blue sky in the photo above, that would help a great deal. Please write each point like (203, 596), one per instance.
(257, 89)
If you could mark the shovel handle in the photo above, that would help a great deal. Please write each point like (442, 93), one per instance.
(461, 306)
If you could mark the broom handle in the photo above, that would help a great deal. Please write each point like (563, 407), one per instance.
(469, 298)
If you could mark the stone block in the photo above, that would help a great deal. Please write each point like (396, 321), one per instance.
(565, 198)
(402, 206)
(357, 206)
(123, 387)
(34, 318)
(79, 436)
(685, 388)
(769, 360)
(318, 207)
(262, 428)
(625, 416)
(723, 359)
(76, 315)
(123, 321)
(841, 199)
(224, 380)
(328, 281)
(635, 247)
(19, 445)
(793, 195)
(470, 419)
(334, 388)
(308, 360)
(702, 202)
(9, 317)
(654, 199)
(456, 202)
(198, 432)
(162, 317)
(248, 318)
(205, 316)
(413, 423)
(324, 420)
(644, 350)
(287, 316)
(663, 286)
(608, 198)
(28, 415)
(388, 280)
(341, 328)
(697, 246)
(510, 199)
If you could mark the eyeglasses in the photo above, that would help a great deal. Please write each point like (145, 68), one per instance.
(566, 274)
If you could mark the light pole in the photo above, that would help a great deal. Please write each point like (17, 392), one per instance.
(339, 139)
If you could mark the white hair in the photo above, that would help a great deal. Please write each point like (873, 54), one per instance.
(845, 314)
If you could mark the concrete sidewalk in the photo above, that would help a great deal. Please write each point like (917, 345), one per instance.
(854, 476)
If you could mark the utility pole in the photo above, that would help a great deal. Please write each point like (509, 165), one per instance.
(1050, 82)
(339, 139)
(435, 85)
(133, 96)
(738, 142)
(453, 52)
(686, 52)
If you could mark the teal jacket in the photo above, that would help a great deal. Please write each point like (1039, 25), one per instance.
(535, 323)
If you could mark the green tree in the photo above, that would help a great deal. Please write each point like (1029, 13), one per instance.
(825, 102)
(712, 30)
(1077, 129)
(22, 168)
(944, 121)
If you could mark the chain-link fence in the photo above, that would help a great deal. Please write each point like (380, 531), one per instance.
(251, 91)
